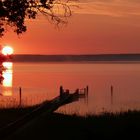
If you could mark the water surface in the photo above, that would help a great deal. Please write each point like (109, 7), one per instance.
(41, 81)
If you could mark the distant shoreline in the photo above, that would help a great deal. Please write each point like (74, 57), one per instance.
(123, 58)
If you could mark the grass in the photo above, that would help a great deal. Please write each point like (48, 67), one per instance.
(61, 126)
(8, 115)
(103, 126)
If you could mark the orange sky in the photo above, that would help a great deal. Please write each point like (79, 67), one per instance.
(98, 26)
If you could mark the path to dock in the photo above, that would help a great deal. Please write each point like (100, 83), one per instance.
(46, 108)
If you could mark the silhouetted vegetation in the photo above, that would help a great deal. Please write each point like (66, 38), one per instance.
(8, 115)
(105, 126)
(61, 126)
(14, 12)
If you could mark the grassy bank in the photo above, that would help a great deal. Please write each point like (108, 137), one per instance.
(61, 126)
(12, 114)
(104, 126)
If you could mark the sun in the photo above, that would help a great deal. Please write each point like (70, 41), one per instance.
(7, 50)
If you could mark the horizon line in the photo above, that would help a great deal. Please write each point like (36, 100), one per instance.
(84, 54)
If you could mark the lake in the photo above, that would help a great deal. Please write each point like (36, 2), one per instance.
(41, 81)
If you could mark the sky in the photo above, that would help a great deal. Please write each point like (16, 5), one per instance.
(95, 27)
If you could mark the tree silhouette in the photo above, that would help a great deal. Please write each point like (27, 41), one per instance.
(14, 12)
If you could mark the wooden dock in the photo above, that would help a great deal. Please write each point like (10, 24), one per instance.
(48, 107)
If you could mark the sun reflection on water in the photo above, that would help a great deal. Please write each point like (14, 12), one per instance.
(8, 78)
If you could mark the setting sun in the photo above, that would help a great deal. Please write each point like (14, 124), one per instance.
(7, 50)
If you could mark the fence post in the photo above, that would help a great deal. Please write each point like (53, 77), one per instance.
(87, 91)
(20, 94)
(111, 94)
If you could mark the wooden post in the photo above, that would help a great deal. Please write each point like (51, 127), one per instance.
(61, 91)
(20, 96)
(111, 94)
(87, 91)
(77, 91)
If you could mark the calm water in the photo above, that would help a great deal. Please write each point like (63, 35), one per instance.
(41, 81)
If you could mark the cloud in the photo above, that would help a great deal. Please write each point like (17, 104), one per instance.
(115, 8)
